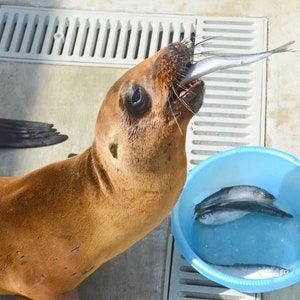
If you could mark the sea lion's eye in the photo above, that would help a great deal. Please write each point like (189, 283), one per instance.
(137, 101)
(136, 97)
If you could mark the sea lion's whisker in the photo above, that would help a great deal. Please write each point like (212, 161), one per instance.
(197, 48)
(204, 41)
(181, 74)
(204, 54)
(181, 86)
(181, 100)
(186, 105)
(180, 130)
(190, 41)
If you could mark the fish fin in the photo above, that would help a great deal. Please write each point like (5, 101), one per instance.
(28, 134)
(213, 198)
(283, 48)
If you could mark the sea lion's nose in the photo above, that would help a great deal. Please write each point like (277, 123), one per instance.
(176, 47)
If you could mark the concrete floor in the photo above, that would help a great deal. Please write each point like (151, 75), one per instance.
(70, 96)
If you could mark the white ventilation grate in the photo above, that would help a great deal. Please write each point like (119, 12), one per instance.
(234, 106)
(186, 283)
(86, 37)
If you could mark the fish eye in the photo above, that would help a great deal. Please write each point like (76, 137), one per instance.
(137, 101)
(206, 218)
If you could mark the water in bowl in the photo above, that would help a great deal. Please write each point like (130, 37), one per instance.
(253, 239)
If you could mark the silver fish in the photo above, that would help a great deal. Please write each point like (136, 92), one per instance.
(220, 216)
(225, 212)
(249, 271)
(215, 63)
(234, 193)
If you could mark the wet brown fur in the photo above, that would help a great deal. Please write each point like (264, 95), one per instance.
(59, 223)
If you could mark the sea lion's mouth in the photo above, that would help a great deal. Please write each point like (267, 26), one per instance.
(191, 93)
(170, 69)
(186, 98)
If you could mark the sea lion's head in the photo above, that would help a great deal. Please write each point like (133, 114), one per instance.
(142, 123)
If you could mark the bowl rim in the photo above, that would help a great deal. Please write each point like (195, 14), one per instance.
(237, 283)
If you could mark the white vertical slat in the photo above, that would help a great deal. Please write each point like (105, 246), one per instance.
(177, 30)
(113, 36)
(17, 36)
(102, 37)
(39, 35)
(8, 31)
(189, 30)
(91, 39)
(146, 27)
(81, 37)
(123, 37)
(166, 31)
(70, 37)
(59, 36)
(49, 36)
(28, 35)
(3, 16)
(156, 29)
(134, 41)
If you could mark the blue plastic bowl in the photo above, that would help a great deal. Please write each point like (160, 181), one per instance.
(253, 239)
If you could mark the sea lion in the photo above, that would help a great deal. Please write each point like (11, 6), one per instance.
(28, 134)
(60, 223)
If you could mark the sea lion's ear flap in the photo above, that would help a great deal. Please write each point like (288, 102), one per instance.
(113, 148)
(137, 101)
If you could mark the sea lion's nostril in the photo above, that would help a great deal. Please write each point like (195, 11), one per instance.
(174, 46)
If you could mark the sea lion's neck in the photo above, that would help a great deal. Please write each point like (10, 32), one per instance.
(112, 216)
(76, 173)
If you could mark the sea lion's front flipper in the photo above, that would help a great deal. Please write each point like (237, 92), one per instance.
(28, 134)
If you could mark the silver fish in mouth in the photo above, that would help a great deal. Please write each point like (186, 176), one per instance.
(229, 211)
(251, 271)
(215, 63)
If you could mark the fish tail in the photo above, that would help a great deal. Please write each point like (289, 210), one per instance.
(283, 48)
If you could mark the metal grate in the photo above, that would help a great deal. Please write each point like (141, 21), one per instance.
(86, 37)
(186, 283)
